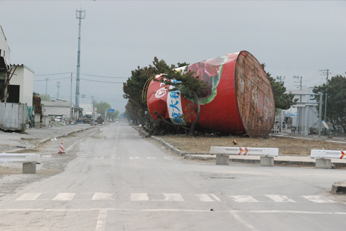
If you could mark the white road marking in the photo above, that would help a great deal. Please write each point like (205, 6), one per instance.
(279, 198)
(243, 198)
(215, 197)
(237, 217)
(151, 158)
(176, 210)
(29, 196)
(99, 158)
(64, 197)
(204, 197)
(139, 197)
(102, 196)
(46, 156)
(93, 133)
(73, 145)
(318, 199)
(173, 197)
(134, 158)
(101, 220)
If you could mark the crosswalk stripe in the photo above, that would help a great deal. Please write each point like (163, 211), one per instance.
(318, 199)
(279, 198)
(204, 197)
(151, 158)
(102, 196)
(173, 197)
(29, 196)
(64, 197)
(243, 198)
(134, 158)
(177, 197)
(139, 197)
(215, 197)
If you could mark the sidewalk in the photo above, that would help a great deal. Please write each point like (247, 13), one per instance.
(280, 160)
(15, 142)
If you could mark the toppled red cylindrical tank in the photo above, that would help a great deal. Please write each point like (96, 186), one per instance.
(240, 101)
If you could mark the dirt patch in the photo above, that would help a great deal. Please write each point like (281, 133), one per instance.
(287, 146)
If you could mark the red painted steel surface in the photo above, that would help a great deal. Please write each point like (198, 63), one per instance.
(240, 100)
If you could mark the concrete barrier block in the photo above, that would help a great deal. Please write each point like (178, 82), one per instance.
(339, 188)
(222, 159)
(29, 167)
(37, 121)
(323, 163)
(267, 161)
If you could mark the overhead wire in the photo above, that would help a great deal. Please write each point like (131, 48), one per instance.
(53, 74)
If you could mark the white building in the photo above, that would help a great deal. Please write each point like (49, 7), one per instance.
(56, 108)
(4, 52)
(21, 85)
(87, 108)
(303, 115)
(4, 60)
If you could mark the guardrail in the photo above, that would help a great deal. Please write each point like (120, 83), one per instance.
(323, 157)
(29, 160)
(266, 154)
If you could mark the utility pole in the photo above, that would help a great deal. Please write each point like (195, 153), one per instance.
(300, 79)
(325, 72)
(46, 86)
(320, 114)
(58, 85)
(280, 78)
(71, 112)
(80, 14)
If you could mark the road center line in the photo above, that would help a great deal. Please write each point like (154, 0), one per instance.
(101, 220)
(73, 144)
(242, 221)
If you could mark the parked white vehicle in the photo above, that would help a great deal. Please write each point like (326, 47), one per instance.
(58, 119)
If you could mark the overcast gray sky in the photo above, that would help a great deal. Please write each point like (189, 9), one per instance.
(291, 38)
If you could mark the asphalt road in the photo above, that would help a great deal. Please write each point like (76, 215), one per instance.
(112, 179)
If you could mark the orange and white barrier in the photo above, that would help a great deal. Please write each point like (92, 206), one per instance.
(328, 154)
(244, 151)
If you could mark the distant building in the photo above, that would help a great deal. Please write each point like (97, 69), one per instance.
(4, 52)
(4, 60)
(87, 108)
(56, 108)
(303, 116)
(21, 85)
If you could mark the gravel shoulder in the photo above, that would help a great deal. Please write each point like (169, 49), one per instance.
(287, 146)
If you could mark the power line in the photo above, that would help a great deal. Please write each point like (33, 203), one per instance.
(52, 79)
(103, 76)
(91, 75)
(54, 74)
(100, 81)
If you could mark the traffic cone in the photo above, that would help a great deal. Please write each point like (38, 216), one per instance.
(61, 149)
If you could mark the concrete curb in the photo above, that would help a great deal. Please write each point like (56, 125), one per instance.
(164, 143)
(48, 139)
(208, 157)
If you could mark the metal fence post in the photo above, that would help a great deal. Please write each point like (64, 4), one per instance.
(320, 114)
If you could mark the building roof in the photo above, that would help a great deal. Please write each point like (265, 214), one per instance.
(23, 65)
(56, 103)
